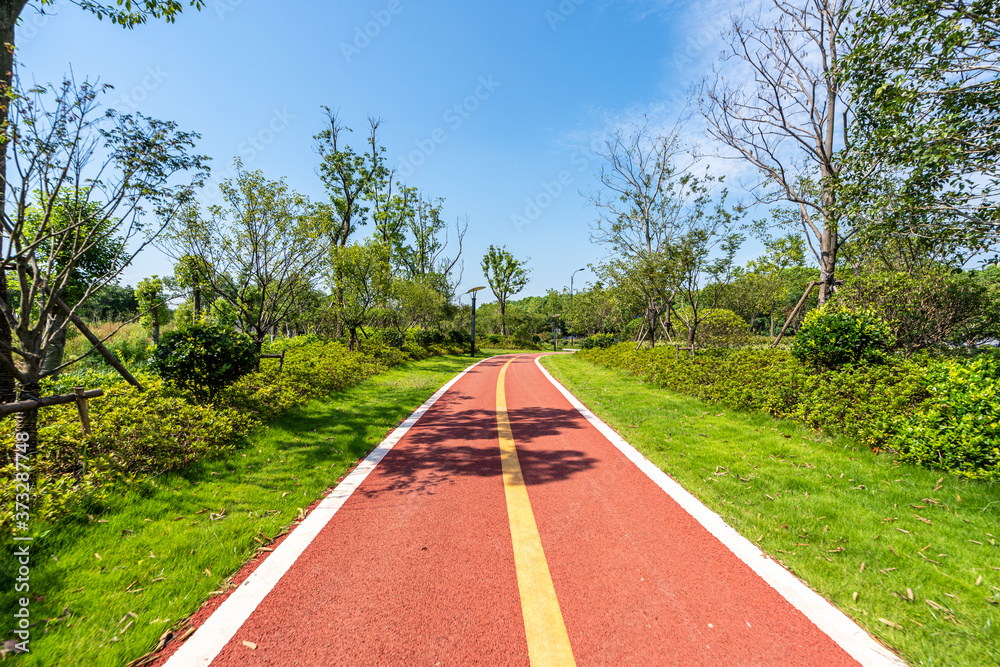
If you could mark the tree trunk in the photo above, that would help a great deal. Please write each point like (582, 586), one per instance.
(155, 329)
(197, 303)
(828, 248)
(57, 347)
(258, 344)
(9, 11)
(503, 319)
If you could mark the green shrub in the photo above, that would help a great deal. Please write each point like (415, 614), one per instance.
(722, 328)
(959, 428)
(459, 337)
(134, 434)
(204, 358)
(600, 341)
(428, 337)
(390, 337)
(493, 339)
(832, 336)
(859, 401)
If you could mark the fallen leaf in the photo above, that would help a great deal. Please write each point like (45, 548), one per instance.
(891, 624)
(250, 645)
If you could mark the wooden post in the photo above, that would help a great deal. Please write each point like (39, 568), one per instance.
(281, 364)
(22, 406)
(794, 312)
(81, 406)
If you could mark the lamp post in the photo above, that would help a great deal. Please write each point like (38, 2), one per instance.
(572, 313)
(555, 332)
(473, 293)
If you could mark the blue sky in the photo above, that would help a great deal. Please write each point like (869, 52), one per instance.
(489, 105)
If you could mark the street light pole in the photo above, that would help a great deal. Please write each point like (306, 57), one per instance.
(473, 293)
(572, 313)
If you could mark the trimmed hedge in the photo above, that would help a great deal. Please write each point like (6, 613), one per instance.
(940, 413)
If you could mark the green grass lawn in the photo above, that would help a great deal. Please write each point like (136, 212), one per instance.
(910, 554)
(152, 558)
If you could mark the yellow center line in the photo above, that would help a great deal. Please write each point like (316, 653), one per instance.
(548, 642)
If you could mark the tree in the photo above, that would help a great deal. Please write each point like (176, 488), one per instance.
(71, 208)
(693, 262)
(191, 273)
(649, 199)
(58, 138)
(363, 272)
(125, 13)
(350, 178)
(506, 276)
(109, 304)
(261, 249)
(151, 299)
(781, 253)
(791, 119)
(924, 77)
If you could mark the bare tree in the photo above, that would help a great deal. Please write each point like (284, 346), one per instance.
(78, 179)
(791, 117)
(649, 200)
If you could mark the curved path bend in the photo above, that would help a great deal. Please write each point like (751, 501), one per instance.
(503, 524)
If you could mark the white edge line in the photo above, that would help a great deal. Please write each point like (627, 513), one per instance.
(837, 625)
(213, 635)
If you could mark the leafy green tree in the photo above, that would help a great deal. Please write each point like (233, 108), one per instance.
(923, 74)
(363, 270)
(261, 249)
(71, 209)
(191, 273)
(350, 179)
(110, 303)
(153, 304)
(506, 276)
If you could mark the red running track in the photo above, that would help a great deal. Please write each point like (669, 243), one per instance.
(417, 567)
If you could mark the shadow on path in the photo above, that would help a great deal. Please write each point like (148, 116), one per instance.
(449, 444)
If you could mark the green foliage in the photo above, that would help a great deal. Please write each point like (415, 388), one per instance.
(599, 341)
(134, 434)
(111, 302)
(428, 337)
(924, 310)
(149, 297)
(204, 358)
(832, 336)
(959, 428)
(390, 337)
(939, 413)
(722, 328)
